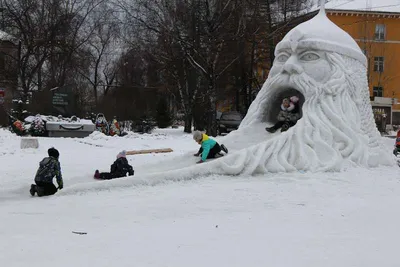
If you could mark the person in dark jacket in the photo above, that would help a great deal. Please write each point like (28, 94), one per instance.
(49, 168)
(119, 169)
(288, 116)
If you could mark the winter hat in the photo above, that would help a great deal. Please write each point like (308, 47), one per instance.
(197, 136)
(294, 99)
(53, 152)
(121, 154)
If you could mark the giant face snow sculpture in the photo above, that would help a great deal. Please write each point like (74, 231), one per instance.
(324, 66)
(326, 69)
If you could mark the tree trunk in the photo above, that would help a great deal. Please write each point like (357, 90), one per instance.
(249, 88)
(212, 112)
(270, 40)
(188, 122)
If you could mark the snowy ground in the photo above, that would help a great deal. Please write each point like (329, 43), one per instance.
(298, 219)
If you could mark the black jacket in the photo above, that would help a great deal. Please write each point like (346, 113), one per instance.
(121, 167)
(48, 169)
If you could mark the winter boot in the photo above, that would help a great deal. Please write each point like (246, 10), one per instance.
(39, 191)
(33, 189)
(270, 129)
(224, 148)
(96, 174)
(285, 127)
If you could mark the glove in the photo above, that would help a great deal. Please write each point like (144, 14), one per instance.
(60, 185)
(200, 161)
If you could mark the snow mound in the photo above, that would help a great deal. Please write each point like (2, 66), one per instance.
(8, 142)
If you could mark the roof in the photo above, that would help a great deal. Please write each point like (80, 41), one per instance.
(8, 37)
(390, 6)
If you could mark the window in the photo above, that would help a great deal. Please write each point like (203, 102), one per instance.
(378, 91)
(380, 30)
(378, 64)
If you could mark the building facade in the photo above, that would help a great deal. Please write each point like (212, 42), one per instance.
(378, 35)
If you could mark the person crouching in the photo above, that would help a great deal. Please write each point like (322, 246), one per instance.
(119, 169)
(49, 168)
(209, 148)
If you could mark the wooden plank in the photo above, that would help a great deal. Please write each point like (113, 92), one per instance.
(149, 151)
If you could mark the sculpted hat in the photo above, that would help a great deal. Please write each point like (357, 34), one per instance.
(322, 34)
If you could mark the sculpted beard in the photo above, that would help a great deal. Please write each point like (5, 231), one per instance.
(328, 131)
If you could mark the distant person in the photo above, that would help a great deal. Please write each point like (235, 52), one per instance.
(209, 148)
(49, 168)
(288, 115)
(397, 144)
(120, 168)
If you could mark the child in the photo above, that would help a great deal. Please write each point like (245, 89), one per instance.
(209, 147)
(397, 144)
(119, 169)
(288, 115)
(48, 168)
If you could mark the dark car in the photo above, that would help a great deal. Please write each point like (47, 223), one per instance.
(229, 121)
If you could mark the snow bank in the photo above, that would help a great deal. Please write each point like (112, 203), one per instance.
(59, 120)
(8, 142)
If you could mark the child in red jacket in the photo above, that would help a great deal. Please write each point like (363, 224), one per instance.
(397, 144)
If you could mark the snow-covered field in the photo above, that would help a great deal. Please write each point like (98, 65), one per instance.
(292, 219)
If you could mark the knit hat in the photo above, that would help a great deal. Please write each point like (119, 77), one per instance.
(121, 154)
(197, 136)
(294, 99)
(53, 153)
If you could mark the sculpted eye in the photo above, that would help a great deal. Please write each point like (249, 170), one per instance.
(282, 58)
(309, 57)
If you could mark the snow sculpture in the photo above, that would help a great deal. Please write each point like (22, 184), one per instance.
(324, 66)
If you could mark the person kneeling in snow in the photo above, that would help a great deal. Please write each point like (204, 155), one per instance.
(119, 169)
(288, 116)
(209, 148)
(48, 168)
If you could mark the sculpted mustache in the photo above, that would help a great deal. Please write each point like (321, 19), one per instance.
(301, 82)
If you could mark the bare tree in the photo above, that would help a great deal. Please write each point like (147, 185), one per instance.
(197, 31)
(103, 49)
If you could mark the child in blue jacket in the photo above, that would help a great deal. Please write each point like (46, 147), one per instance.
(209, 148)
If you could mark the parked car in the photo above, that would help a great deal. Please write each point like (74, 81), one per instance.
(229, 121)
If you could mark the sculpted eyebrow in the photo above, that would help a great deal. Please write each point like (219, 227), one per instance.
(284, 50)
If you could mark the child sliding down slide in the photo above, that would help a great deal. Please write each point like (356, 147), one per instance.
(209, 148)
(119, 169)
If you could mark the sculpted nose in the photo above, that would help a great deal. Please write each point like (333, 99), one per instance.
(292, 66)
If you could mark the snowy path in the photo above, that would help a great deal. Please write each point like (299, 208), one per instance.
(342, 219)
(234, 142)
